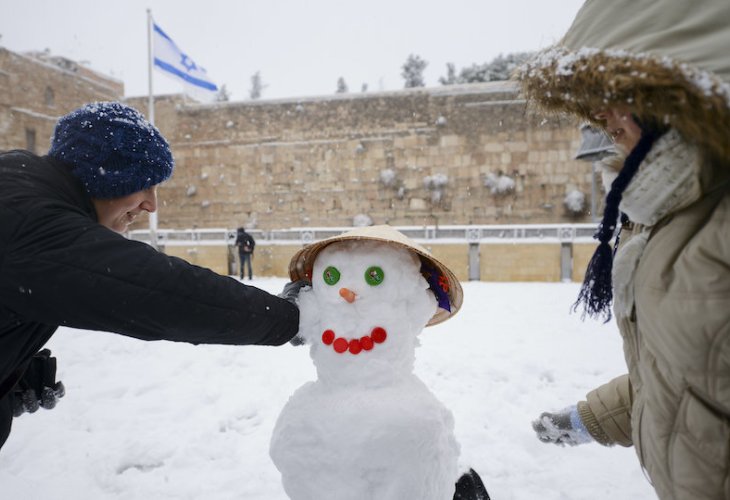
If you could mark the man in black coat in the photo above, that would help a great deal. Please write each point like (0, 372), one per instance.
(245, 244)
(63, 261)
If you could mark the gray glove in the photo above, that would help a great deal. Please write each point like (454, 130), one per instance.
(291, 293)
(291, 290)
(562, 427)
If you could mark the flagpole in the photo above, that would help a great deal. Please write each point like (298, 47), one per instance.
(151, 118)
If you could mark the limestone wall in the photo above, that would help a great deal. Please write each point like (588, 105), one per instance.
(520, 262)
(582, 253)
(35, 90)
(215, 258)
(322, 161)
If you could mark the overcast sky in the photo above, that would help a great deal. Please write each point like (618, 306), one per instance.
(301, 47)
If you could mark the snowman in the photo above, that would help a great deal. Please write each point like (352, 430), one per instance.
(368, 428)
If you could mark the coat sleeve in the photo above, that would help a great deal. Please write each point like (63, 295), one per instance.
(607, 412)
(6, 417)
(65, 269)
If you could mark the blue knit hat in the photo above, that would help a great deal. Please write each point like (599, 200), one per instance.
(112, 149)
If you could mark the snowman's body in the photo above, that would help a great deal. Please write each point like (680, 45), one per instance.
(367, 428)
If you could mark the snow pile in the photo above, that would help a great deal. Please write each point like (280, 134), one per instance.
(435, 181)
(387, 177)
(575, 202)
(362, 220)
(436, 184)
(499, 184)
(367, 428)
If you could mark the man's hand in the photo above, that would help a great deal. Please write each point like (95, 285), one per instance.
(291, 290)
(38, 387)
(291, 293)
(561, 428)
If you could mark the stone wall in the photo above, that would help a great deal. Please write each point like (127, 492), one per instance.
(36, 89)
(323, 161)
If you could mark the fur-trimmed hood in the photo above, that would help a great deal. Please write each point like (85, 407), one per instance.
(666, 61)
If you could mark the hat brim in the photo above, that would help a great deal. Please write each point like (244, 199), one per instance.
(301, 264)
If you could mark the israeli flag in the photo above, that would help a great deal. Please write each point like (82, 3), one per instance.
(175, 63)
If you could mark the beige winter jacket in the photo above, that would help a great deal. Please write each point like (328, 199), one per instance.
(674, 405)
(668, 60)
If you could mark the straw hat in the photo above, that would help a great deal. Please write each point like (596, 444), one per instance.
(300, 267)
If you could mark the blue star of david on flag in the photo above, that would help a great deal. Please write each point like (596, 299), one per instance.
(187, 62)
(172, 61)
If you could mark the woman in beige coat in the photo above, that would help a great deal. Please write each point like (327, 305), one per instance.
(655, 76)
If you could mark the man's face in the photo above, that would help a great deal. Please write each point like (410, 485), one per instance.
(621, 127)
(118, 213)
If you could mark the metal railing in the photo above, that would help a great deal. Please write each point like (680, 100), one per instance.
(527, 233)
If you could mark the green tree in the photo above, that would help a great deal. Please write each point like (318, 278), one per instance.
(499, 68)
(412, 71)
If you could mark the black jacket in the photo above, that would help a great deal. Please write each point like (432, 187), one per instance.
(245, 242)
(58, 266)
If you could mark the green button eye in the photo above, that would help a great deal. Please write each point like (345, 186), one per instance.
(331, 275)
(374, 275)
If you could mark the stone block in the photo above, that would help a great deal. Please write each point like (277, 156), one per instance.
(493, 147)
(450, 140)
(516, 146)
(417, 204)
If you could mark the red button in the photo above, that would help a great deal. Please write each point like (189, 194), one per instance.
(328, 337)
(366, 343)
(341, 345)
(379, 335)
(355, 346)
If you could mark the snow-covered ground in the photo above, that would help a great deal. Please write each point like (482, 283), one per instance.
(144, 420)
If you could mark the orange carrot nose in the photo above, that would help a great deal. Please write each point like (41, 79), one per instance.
(348, 295)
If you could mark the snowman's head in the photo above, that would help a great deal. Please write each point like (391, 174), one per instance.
(368, 302)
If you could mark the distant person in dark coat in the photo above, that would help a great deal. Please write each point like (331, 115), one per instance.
(63, 261)
(245, 244)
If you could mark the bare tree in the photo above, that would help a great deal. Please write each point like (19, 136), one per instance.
(257, 86)
(223, 94)
(450, 78)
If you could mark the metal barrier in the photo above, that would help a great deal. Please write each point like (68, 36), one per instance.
(563, 233)
(473, 237)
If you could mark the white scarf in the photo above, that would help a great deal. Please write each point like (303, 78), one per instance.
(667, 181)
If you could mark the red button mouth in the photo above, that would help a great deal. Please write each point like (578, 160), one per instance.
(378, 335)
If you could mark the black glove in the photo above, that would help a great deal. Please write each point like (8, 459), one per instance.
(38, 387)
(561, 428)
(291, 293)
